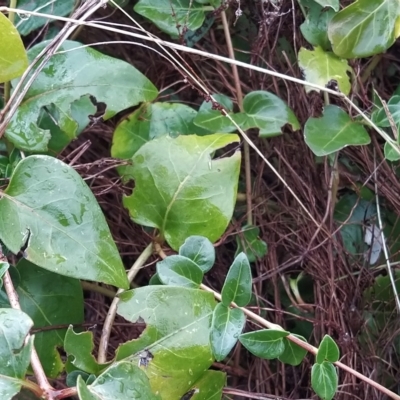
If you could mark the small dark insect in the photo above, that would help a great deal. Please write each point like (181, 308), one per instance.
(144, 358)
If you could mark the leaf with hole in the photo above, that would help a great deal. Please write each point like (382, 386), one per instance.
(328, 350)
(293, 353)
(324, 380)
(176, 335)
(238, 283)
(70, 74)
(320, 67)
(333, 131)
(172, 16)
(181, 190)
(65, 231)
(365, 28)
(265, 343)
(248, 241)
(267, 112)
(179, 271)
(227, 324)
(200, 250)
(15, 354)
(13, 58)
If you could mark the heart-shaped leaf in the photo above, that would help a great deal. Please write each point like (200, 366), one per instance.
(200, 250)
(320, 67)
(227, 325)
(324, 380)
(180, 190)
(70, 74)
(365, 28)
(293, 353)
(65, 230)
(328, 350)
(13, 59)
(333, 131)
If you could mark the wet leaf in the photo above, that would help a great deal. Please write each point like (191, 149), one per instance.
(72, 73)
(320, 67)
(180, 190)
(333, 131)
(65, 231)
(200, 250)
(178, 341)
(365, 28)
(328, 350)
(13, 59)
(324, 380)
(227, 325)
(249, 242)
(238, 283)
(293, 353)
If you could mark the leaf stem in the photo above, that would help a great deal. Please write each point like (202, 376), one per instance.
(105, 334)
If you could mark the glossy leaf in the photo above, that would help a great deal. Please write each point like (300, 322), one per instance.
(180, 190)
(177, 335)
(72, 73)
(333, 131)
(328, 350)
(200, 250)
(293, 353)
(227, 325)
(267, 112)
(26, 23)
(180, 271)
(266, 343)
(324, 380)
(320, 67)
(79, 348)
(238, 283)
(14, 352)
(13, 59)
(365, 28)
(208, 387)
(65, 231)
(249, 242)
(123, 380)
(169, 14)
(49, 299)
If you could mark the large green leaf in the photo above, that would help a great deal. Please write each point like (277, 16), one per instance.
(333, 131)
(181, 190)
(14, 352)
(324, 380)
(49, 299)
(72, 73)
(227, 325)
(328, 350)
(365, 28)
(200, 250)
(50, 209)
(27, 24)
(169, 14)
(267, 112)
(13, 58)
(122, 381)
(320, 67)
(177, 336)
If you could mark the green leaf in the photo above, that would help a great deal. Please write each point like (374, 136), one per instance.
(168, 14)
(328, 350)
(200, 250)
(293, 353)
(180, 190)
(208, 387)
(79, 348)
(266, 343)
(180, 271)
(320, 67)
(324, 380)
(70, 74)
(227, 325)
(329, 3)
(123, 380)
(177, 335)
(238, 283)
(14, 352)
(13, 59)
(49, 299)
(29, 23)
(48, 207)
(3, 266)
(391, 154)
(365, 28)
(380, 117)
(248, 241)
(267, 112)
(333, 131)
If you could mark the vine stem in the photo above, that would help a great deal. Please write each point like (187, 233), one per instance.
(105, 333)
